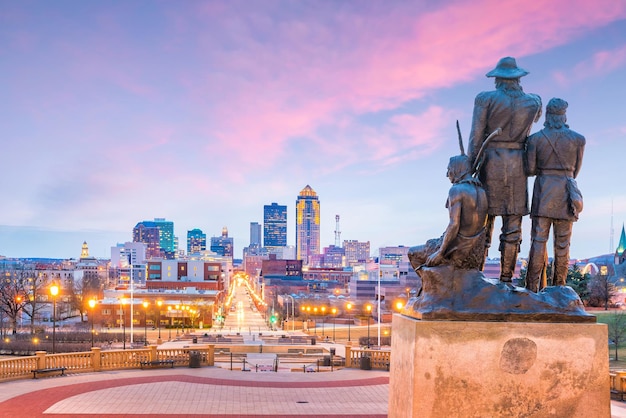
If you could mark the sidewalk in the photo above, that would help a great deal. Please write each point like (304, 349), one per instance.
(206, 392)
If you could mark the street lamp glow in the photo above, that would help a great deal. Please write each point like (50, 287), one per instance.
(92, 304)
(54, 291)
(145, 322)
(348, 307)
(159, 304)
(369, 317)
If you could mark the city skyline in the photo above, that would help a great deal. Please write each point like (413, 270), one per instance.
(204, 112)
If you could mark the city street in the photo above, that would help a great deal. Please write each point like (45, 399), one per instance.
(242, 315)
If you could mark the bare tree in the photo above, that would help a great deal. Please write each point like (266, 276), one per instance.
(75, 295)
(601, 291)
(13, 295)
(36, 286)
(617, 329)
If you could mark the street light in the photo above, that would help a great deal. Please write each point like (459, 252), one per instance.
(20, 309)
(293, 313)
(159, 304)
(123, 320)
(334, 312)
(145, 322)
(177, 307)
(54, 291)
(369, 316)
(92, 304)
(169, 313)
(348, 307)
(323, 319)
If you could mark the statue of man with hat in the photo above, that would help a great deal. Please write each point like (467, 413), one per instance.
(554, 155)
(500, 162)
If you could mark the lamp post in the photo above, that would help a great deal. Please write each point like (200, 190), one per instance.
(334, 312)
(293, 313)
(169, 313)
(123, 318)
(177, 307)
(159, 304)
(323, 319)
(20, 309)
(54, 291)
(369, 316)
(348, 307)
(92, 305)
(145, 322)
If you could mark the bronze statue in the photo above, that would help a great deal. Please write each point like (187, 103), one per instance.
(453, 286)
(501, 169)
(554, 155)
(462, 244)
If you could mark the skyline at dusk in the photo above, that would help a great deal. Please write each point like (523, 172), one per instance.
(202, 112)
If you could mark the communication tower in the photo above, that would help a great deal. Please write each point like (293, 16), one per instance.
(337, 232)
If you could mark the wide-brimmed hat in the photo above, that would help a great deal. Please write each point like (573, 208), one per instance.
(507, 68)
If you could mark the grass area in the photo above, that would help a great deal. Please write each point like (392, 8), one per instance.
(603, 317)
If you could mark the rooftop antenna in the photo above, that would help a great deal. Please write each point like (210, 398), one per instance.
(337, 232)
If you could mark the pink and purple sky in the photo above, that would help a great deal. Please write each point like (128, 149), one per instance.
(202, 112)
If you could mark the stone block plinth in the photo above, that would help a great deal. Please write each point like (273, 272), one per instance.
(498, 369)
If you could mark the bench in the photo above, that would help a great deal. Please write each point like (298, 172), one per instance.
(49, 370)
(156, 363)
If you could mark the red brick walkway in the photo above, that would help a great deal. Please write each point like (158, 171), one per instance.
(69, 400)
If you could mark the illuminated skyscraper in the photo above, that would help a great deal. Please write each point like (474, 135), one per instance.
(166, 235)
(307, 225)
(274, 226)
(255, 234)
(223, 245)
(148, 233)
(158, 235)
(196, 241)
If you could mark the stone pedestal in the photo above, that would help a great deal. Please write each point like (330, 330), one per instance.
(498, 369)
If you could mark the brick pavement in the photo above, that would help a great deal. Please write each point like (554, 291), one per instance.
(204, 392)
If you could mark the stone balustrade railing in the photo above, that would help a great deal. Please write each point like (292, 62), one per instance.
(379, 359)
(98, 360)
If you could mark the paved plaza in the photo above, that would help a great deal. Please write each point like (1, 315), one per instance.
(206, 392)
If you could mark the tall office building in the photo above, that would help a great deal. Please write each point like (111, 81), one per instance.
(307, 225)
(158, 235)
(356, 251)
(166, 236)
(196, 241)
(148, 233)
(255, 234)
(223, 245)
(274, 226)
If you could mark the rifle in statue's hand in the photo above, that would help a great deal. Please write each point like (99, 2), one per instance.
(479, 156)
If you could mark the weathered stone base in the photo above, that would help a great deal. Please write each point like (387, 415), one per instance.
(498, 369)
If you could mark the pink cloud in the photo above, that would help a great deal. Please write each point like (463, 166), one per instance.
(299, 76)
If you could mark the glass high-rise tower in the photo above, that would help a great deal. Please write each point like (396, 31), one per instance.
(196, 241)
(274, 226)
(307, 225)
(166, 235)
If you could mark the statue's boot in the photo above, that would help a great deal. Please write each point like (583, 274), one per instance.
(560, 271)
(508, 260)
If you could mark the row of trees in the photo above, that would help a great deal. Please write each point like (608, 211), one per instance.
(24, 294)
(595, 291)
